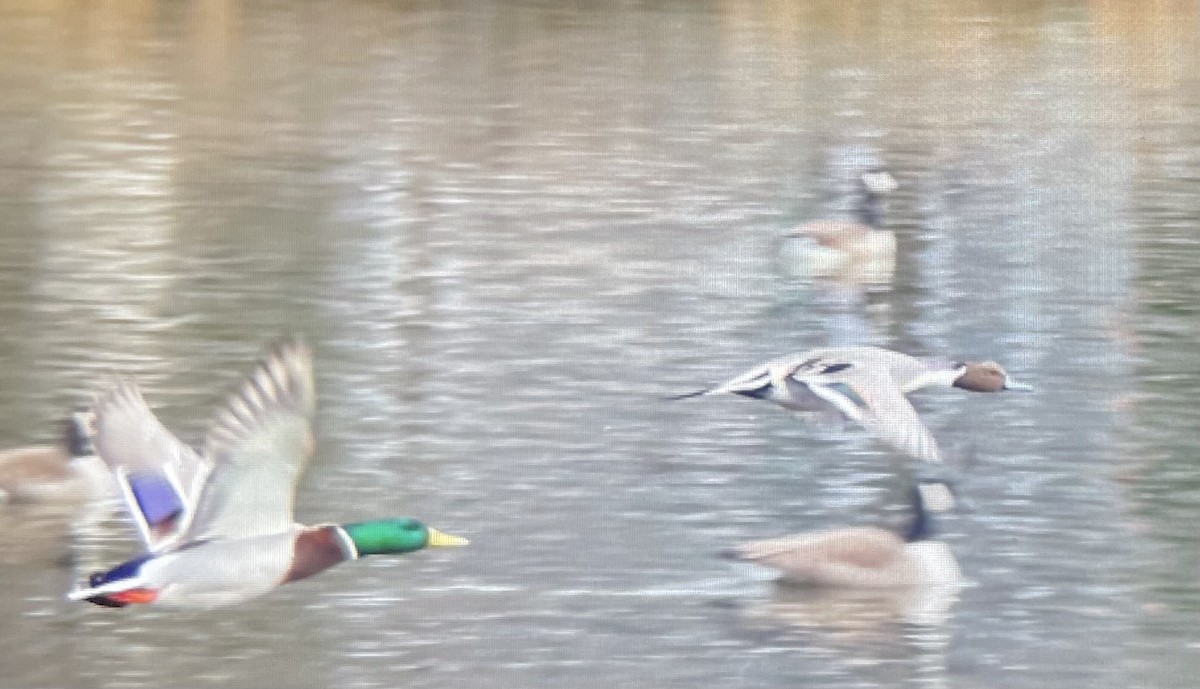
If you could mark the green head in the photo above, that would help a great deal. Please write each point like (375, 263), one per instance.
(383, 536)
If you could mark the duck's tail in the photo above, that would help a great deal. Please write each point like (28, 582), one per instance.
(686, 395)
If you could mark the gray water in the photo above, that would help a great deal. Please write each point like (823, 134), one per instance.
(509, 228)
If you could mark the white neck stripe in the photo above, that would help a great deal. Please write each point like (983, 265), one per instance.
(943, 378)
(347, 544)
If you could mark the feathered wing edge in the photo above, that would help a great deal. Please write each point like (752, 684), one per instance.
(281, 384)
(871, 398)
(159, 476)
(281, 380)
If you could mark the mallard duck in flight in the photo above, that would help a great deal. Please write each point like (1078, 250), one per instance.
(234, 537)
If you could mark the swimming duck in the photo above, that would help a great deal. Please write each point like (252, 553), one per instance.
(47, 474)
(865, 557)
(866, 385)
(235, 538)
(859, 252)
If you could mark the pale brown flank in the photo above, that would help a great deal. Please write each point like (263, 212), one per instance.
(831, 233)
(317, 549)
(35, 464)
(835, 557)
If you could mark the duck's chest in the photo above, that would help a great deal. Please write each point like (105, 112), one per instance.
(223, 572)
(231, 571)
(934, 562)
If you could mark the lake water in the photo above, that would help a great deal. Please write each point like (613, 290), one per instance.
(509, 228)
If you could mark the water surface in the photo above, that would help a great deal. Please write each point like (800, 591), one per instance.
(509, 228)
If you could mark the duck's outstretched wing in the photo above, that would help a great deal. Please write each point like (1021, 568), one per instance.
(259, 445)
(160, 477)
(869, 396)
(858, 384)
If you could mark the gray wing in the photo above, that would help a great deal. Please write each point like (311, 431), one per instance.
(160, 477)
(810, 405)
(893, 420)
(871, 397)
(259, 445)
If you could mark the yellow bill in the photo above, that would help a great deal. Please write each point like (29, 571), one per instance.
(437, 539)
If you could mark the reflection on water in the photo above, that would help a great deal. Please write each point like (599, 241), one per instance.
(852, 613)
(509, 228)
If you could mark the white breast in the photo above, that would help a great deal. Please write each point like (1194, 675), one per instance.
(934, 562)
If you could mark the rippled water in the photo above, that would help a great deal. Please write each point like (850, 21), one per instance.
(509, 228)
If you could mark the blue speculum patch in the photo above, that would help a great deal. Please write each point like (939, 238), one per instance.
(156, 498)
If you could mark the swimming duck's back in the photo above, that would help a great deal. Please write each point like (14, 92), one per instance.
(853, 557)
(38, 474)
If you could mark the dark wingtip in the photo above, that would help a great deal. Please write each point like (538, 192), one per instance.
(730, 554)
(686, 395)
(106, 602)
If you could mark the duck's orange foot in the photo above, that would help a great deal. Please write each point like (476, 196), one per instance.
(120, 599)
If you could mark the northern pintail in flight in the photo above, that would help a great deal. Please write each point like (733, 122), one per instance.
(866, 385)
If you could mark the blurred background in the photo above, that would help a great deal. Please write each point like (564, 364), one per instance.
(509, 228)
